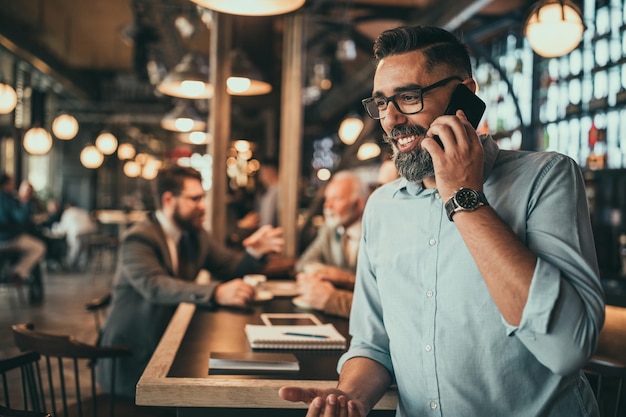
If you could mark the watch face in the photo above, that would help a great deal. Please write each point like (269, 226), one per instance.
(467, 199)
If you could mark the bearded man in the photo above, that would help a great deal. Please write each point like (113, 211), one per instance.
(158, 262)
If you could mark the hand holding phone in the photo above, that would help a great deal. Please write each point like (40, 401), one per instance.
(463, 99)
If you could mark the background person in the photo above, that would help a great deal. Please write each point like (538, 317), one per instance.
(16, 227)
(327, 267)
(158, 261)
(487, 305)
(77, 224)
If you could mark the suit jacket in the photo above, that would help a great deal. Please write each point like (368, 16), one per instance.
(146, 293)
(327, 249)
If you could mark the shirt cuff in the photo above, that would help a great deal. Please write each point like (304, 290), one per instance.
(255, 254)
(542, 297)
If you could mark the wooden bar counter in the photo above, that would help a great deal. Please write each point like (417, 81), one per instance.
(177, 375)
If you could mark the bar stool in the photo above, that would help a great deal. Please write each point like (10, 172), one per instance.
(607, 370)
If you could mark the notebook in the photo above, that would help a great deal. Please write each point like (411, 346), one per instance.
(252, 362)
(323, 336)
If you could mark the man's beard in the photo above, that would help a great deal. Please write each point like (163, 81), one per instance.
(333, 220)
(415, 165)
(186, 224)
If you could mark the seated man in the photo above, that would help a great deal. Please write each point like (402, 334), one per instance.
(158, 262)
(15, 222)
(327, 267)
(77, 224)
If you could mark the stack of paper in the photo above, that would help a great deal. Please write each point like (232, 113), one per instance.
(323, 336)
(252, 362)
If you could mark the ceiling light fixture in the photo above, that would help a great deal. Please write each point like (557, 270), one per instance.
(37, 141)
(65, 126)
(252, 8)
(350, 129)
(106, 143)
(554, 27)
(195, 138)
(189, 79)
(91, 157)
(245, 79)
(367, 151)
(183, 118)
(8, 98)
(126, 151)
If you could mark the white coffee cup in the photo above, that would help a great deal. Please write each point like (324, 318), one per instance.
(254, 280)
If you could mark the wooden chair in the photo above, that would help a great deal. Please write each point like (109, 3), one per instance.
(67, 360)
(27, 394)
(607, 368)
(98, 306)
(8, 412)
(609, 373)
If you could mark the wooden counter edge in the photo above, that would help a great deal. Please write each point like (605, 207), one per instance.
(156, 389)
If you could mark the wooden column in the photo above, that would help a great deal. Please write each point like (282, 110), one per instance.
(291, 121)
(219, 123)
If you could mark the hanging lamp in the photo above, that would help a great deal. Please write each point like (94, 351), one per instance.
(65, 126)
(245, 79)
(187, 80)
(252, 7)
(8, 98)
(183, 118)
(350, 129)
(554, 27)
(106, 143)
(37, 141)
(91, 157)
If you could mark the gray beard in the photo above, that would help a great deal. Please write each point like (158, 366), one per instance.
(415, 165)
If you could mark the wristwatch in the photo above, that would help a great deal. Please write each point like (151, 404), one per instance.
(465, 199)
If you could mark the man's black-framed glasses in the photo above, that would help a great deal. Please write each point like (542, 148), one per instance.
(409, 101)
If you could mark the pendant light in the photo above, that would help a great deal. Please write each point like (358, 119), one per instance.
(65, 126)
(132, 169)
(8, 98)
(554, 27)
(252, 8)
(126, 151)
(195, 138)
(183, 118)
(368, 150)
(350, 129)
(245, 79)
(91, 157)
(106, 143)
(187, 80)
(37, 141)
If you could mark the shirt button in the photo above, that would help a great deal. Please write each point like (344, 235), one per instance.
(429, 293)
(437, 196)
(428, 348)
(433, 405)
(432, 242)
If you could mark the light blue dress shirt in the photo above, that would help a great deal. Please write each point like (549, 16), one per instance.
(422, 309)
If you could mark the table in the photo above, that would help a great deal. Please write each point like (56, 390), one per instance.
(177, 375)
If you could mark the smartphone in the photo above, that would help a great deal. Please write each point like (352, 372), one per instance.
(463, 99)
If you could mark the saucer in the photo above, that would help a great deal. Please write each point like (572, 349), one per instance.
(282, 288)
(299, 302)
(263, 295)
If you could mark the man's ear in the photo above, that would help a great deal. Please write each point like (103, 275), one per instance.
(471, 84)
(166, 198)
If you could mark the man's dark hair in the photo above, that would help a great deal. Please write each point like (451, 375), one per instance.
(439, 46)
(171, 178)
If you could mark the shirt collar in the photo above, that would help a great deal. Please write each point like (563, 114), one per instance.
(171, 230)
(490, 152)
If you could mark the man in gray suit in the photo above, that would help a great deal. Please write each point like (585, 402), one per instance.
(327, 267)
(158, 263)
